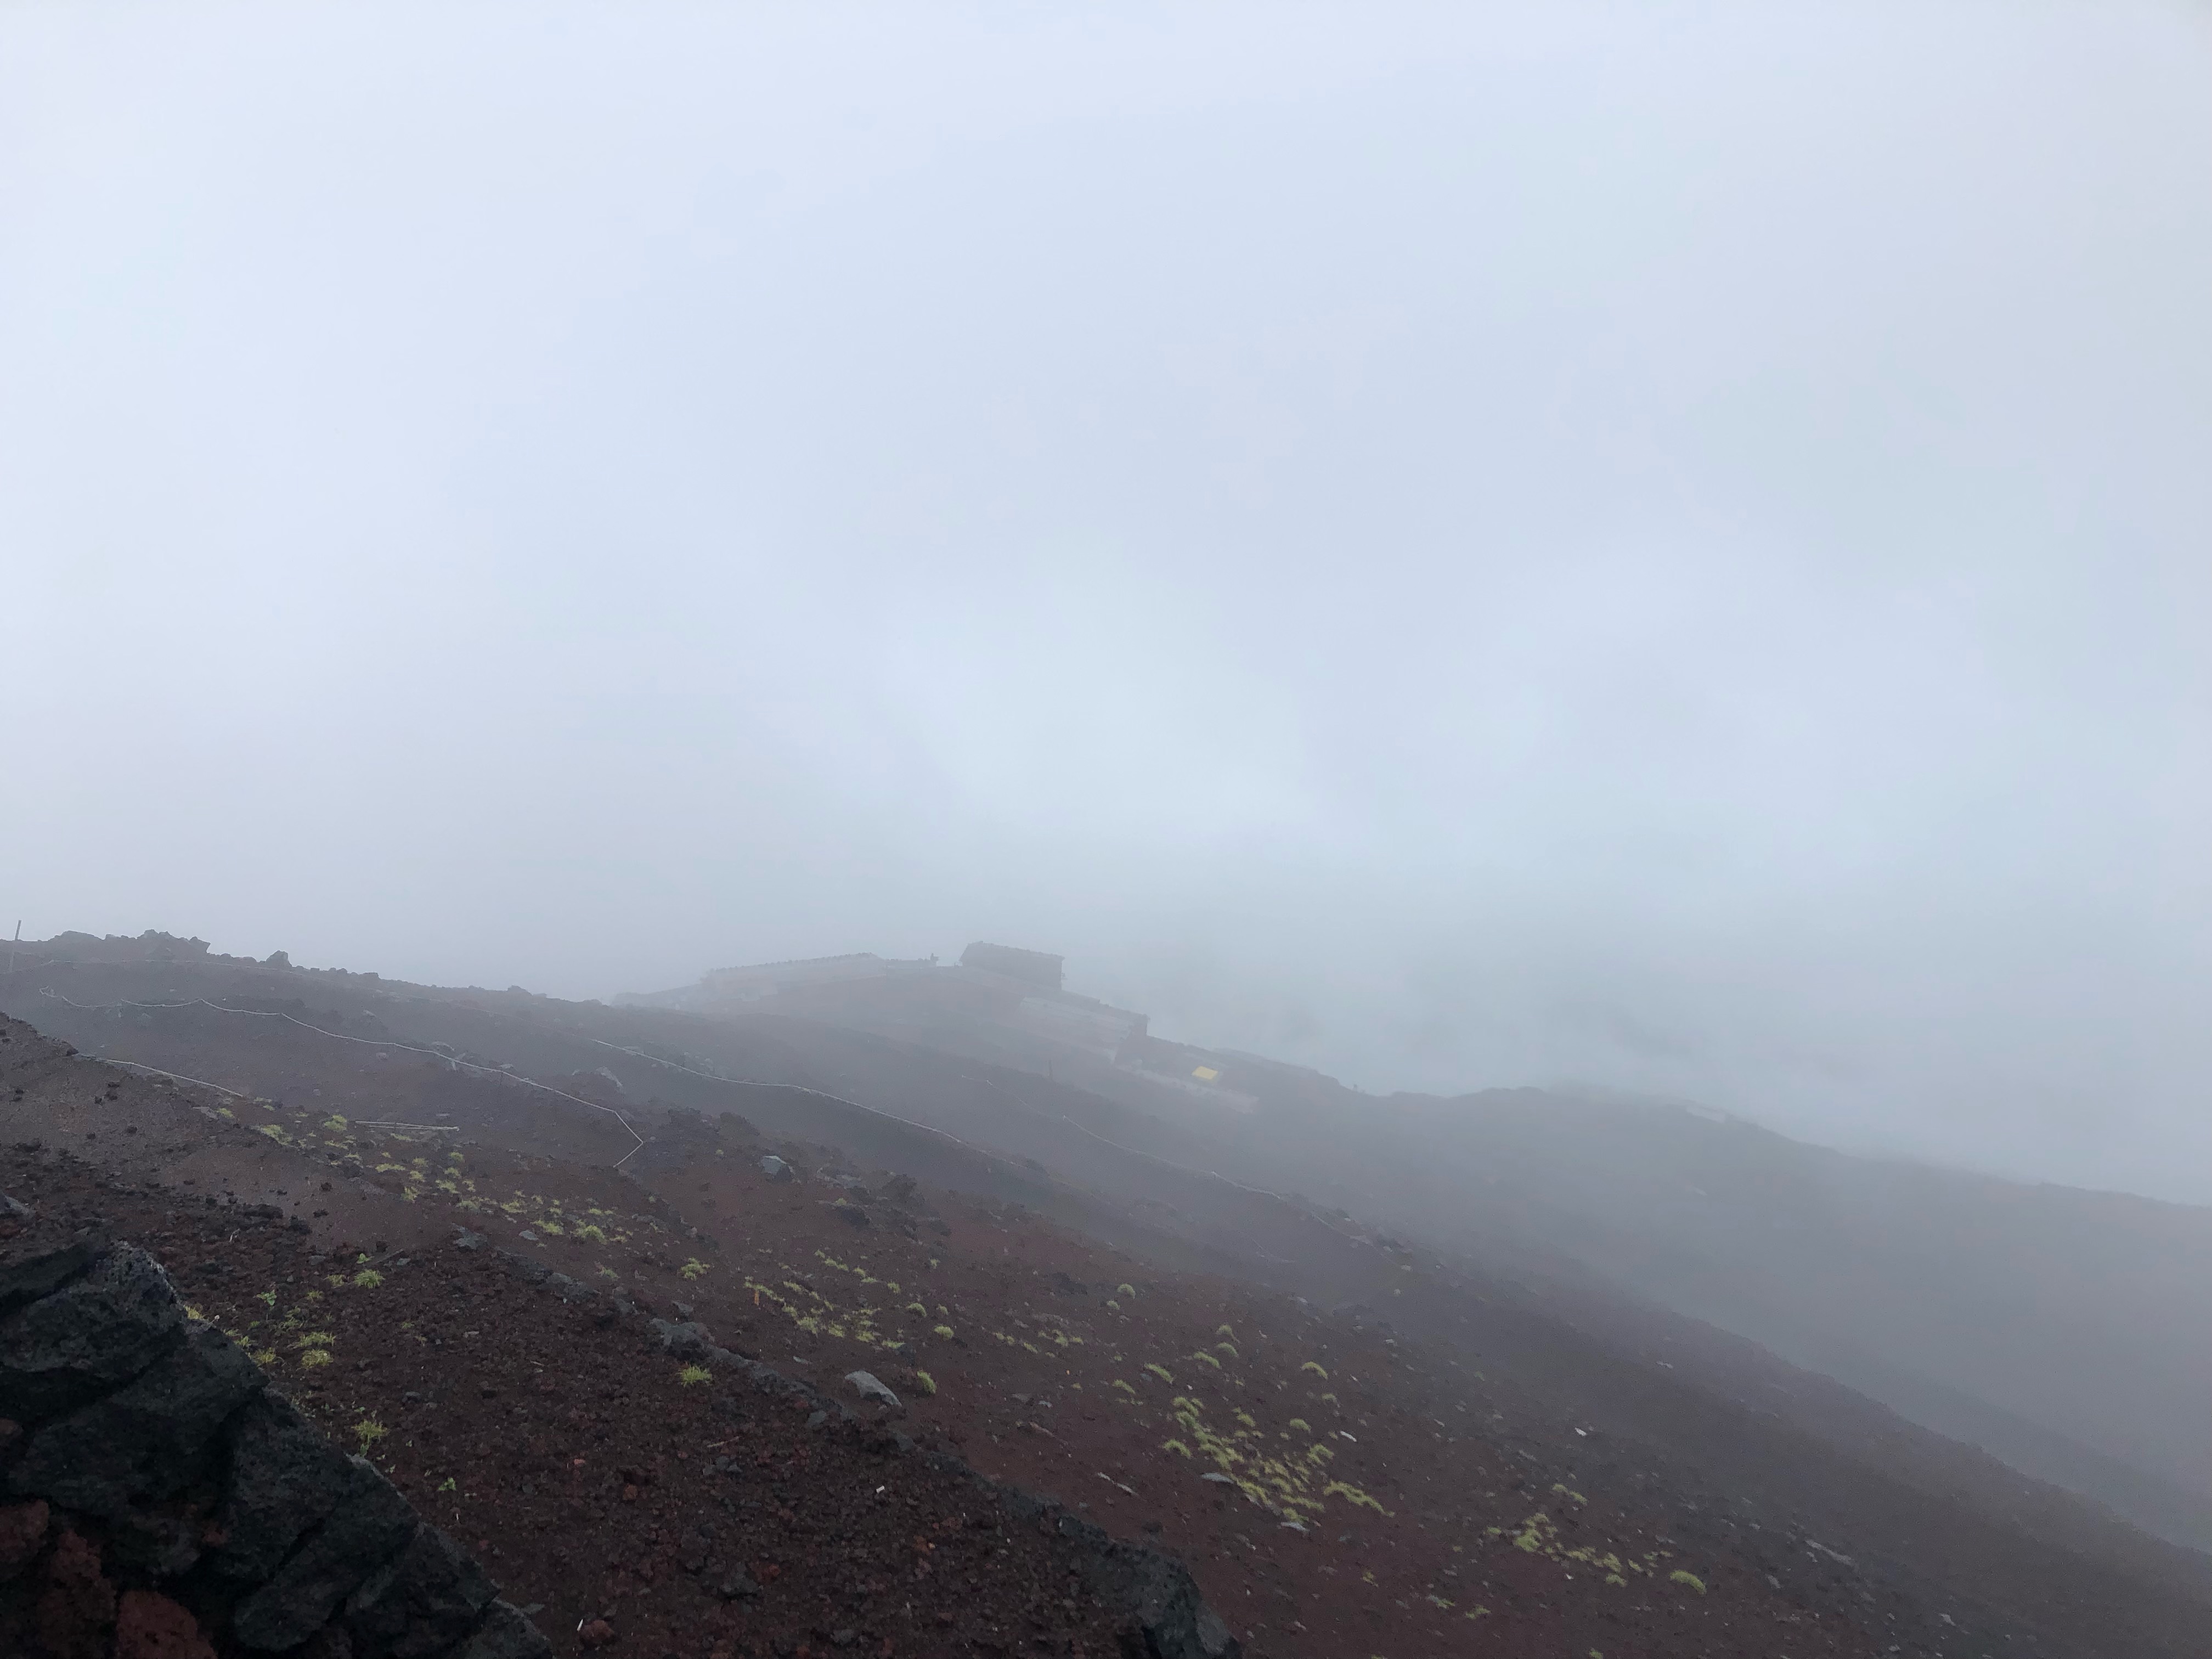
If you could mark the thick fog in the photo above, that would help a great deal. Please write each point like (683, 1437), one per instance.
(1659, 548)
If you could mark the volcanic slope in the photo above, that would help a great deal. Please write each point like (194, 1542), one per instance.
(1432, 1434)
(632, 1502)
(618, 1490)
(2066, 1331)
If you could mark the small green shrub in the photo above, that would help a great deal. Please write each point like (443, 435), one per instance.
(925, 1382)
(692, 1376)
(368, 1279)
(369, 1432)
(1688, 1580)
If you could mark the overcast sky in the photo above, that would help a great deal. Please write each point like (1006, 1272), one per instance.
(1666, 547)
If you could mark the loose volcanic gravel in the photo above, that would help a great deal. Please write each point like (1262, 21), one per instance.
(632, 1505)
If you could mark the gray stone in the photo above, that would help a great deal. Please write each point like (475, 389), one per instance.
(421, 1602)
(1210, 1635)
(774, 1168)
(368, 1527)
(284, 1477)
(146, 1440)
(868, 1386)
(686, 1341)
(88, 1337)
(504, 1634)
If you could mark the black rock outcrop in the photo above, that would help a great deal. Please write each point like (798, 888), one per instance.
(157, 1497)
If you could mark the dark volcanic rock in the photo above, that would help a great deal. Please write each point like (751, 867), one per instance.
(284, 1477)
(369, 1525)
(84, 1339)
(157, 1542)
(423, 1600)
(157, 1467)
(688, 1340)
(28, 1272)
(146, 1439)
(504, 1634)
(1169, 1619)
